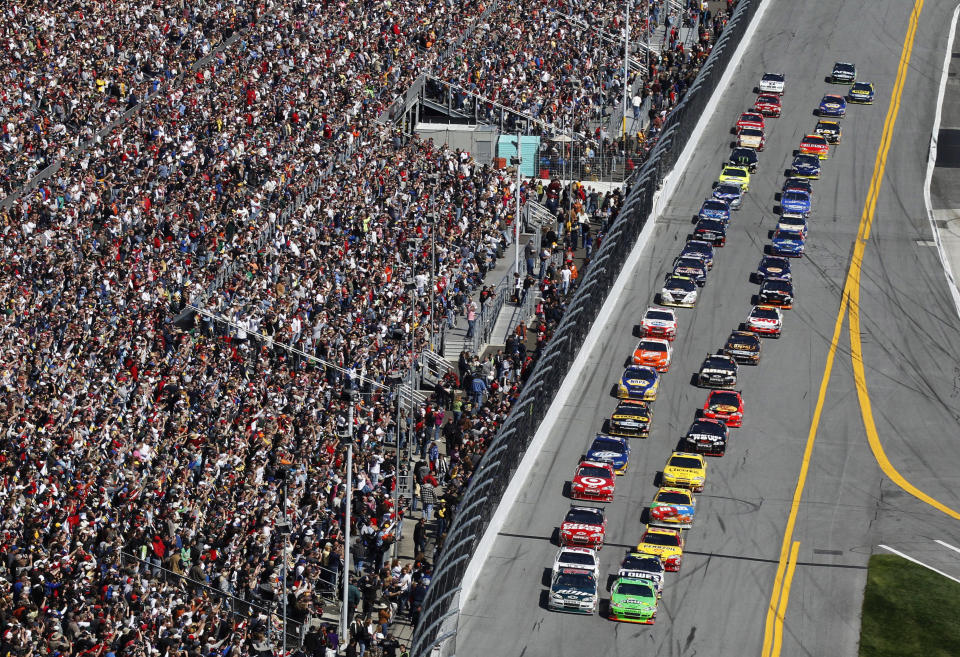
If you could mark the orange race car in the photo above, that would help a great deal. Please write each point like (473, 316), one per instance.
(815, 145)
(653, 352)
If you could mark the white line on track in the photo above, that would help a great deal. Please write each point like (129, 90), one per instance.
(948, 546)
(931, 163)
(919, 563)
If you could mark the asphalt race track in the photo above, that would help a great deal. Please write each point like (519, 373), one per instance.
(717, 605)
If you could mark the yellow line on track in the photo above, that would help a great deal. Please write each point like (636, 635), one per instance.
(784, 599)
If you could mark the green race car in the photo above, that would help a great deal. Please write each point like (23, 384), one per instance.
(633, 600)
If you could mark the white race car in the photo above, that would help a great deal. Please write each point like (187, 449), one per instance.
(659, 323)
(576, 557)
(766, 321)
(772, 83)
(679, 291)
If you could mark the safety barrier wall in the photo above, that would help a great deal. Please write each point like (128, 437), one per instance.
(437, 627)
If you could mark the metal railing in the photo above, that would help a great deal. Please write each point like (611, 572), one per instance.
(437, 628)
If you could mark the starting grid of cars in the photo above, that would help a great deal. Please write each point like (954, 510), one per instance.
(637, 585)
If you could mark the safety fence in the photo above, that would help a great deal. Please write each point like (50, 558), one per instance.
(438, 622)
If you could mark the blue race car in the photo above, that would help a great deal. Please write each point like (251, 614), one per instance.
(795, 201)
(806, 166)
(699, 249)
(730, 193)
(612, 450)
(639, 382)
(861, 92)
(833, 105)
(788, 244)
(713, 231)
(773, 268)
(714, 208)
(800, 184)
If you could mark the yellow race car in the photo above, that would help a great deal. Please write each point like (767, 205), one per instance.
(673, 507)
(664, 543)
(685, 470)
(737, 175)
(639, 382)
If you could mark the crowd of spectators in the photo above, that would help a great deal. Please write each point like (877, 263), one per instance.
(158, 478)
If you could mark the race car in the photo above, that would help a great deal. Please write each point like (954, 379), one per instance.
(815, 145)
(751, 138)
(726, 406)
(736, 174)
(718, 371)
(707, 437)
(795, 201)
(679, 291)
(659, 323)
(765, 320)
(772, 83)
(584, 526)
(673, 507)
(713, 208)
(637, 565)
(843, 73)
(577, 557)
(830, 130)
(633, 601)
(798, 184)
(593, 480)
(806, 166)
(745, 347)
(750, 119)
(787, 243)
(832, 105)
(653, 352)
(574, 590)
(730, 193)
(793, 223)
(698, 249)
(685, 470)
(610, 449)
(861, 92)
(774, 268)
(638, 382)
(691, 268)
(713, 231)
(664, 543)
(741, 156)
(768, 105)
(776, 293)
(631, 418)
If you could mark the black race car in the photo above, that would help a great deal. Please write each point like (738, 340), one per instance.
(718, 371)
(843, 73)
(631, 418)
(776, 292)
(773, 268)
(744, 157)
(707, 437)
(744, 347)
(712, 231)
(692, 268)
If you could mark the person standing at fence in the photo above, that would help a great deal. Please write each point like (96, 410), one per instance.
(530, 252)
(471, 318)
(428, 496)
(565, 279)
(420, 536)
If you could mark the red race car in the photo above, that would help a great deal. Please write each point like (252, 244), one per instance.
(768, 105)
(593, 481)
(583, 526)
(659, 323)
(815, 145)
(750, 119)
(726, 406)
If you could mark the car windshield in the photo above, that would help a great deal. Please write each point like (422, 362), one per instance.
(577, 581)
(810, 160)
(785, 235)
(751, 117)
(716, 363)
(764, 313)
(741, 341)
(591, 471)
(815, 140)
(743, 154)
(726, 189)
(607, 445)
(715, 205)
(735, 172)
(791, 224)
(768, 98)
(624, 408)
(686, 262)
(795, 195)
(774, 263)
(826, 127)
(635, 590)
(861, 86)
(777, 286)
(684, 462)
(830, 98)
(656, 538)
(708, 427)
(650, 345)
(659, 315)
(751, 132)
(671, 497)
(580, 558)
(585, 516)
(773, 77)
(798, 184)
(724, 399)
(677, 283)
(843, 68)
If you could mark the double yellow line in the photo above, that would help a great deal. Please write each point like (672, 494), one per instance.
(776, 612)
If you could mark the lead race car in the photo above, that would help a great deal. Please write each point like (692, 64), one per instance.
(773, 83)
